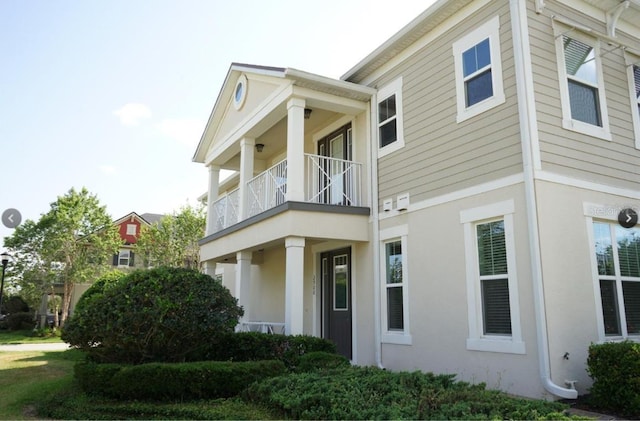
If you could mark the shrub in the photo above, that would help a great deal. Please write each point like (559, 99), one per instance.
(15, 304)
(20, 321)
(615, 370)
(157, 315)
(371, 393)
(323, 361)
(254, 346)
(98, 288)
(176, 381)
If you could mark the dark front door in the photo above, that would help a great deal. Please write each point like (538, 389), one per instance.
(335, 172)
(336, 298)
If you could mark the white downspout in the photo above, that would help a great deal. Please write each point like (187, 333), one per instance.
(528, 124)
(375, 223)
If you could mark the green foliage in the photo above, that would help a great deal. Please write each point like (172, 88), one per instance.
(20, 321)
(254, 346)
(70, 243)
(97, 289)
(322, 361)
(15, 304)
(370, 393)
(157, 315)
(178, 381)
(615, 369)
(173, 242)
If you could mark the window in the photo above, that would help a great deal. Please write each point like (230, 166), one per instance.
(390, 130)
(633, 71)
(123, 258)
(583, 101)
(492, 299)
(131, 229)
(617, 257)
(394, 289)
(478, 70)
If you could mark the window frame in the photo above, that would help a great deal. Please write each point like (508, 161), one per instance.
(121, 257)
(384, 93)
(399, 337)
(568, 122)
(606, 215)
(632, 62)
(478, 340)
(489, 30)
(130, 228)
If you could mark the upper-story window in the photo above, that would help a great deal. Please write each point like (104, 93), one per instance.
(581, 84)
(390, 130)
(633, 71)
(478, 70)
(131, 229)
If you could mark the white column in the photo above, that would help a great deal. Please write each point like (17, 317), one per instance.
(209, 268)
(294, 286)
(295, 149)
(214, 182)
(246, 173)
(243, 281)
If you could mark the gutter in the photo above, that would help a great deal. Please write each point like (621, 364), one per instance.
(375, 212)
(528, 123)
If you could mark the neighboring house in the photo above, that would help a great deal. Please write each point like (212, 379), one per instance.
(129, 228)
(451, 203)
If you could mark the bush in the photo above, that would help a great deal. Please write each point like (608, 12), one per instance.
(370, 393)
(20, 321)
(98, 288)
(322, 361)
(254, 346)
(615, 370)
(177, 381)
(15, 304)
(157, 315)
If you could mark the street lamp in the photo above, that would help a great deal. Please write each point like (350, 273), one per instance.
(5, 262)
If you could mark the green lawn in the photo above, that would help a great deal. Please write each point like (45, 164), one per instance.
(24, 336)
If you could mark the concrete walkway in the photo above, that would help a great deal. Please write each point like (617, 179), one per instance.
(45, 346)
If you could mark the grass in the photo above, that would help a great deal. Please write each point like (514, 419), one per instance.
(24, 336)
(28, 377)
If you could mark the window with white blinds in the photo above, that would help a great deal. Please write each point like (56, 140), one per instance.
(494, 278)
(617, 253)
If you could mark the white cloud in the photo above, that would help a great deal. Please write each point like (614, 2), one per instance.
(108, 169)
(185, 130)
(132, 113)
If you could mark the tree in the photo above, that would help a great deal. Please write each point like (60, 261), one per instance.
(71, 243)
(173, 241)
(157, 315)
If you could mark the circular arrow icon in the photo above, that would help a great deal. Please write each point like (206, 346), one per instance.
(628, 218)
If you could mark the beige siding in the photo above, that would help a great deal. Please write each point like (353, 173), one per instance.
(566, 152)
(440, 155)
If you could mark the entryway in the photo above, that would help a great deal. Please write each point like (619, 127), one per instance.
(335, 268)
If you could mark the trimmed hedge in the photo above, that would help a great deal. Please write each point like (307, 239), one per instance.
(321, 361)
(615, 370)
(177, 381)
(20, 321)
(253, 346)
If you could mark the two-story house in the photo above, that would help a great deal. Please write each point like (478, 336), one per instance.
(452, 203)
(129, 228)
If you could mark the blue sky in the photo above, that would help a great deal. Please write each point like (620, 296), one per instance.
(113, 95)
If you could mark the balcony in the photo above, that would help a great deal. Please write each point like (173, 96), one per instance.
(328, 181)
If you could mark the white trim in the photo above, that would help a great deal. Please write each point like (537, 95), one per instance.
(631, 62)
(491, 30)
(479, 189)
(392, 88)
(587, 185)
(132, 227)
(594, 276)
(477, 340)
(451, 22)
(404, 337)
(568, 122)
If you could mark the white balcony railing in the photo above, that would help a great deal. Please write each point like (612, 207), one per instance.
(329, 181)
(267, 190)
(226, 210)
(332, 181)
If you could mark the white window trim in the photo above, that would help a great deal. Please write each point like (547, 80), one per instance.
(132, 227)
(606, 214)
(395, 337)
(121, 256)
(477, 340)
(491, 30)
(567, 121)
(392, 88)
(631, 61)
